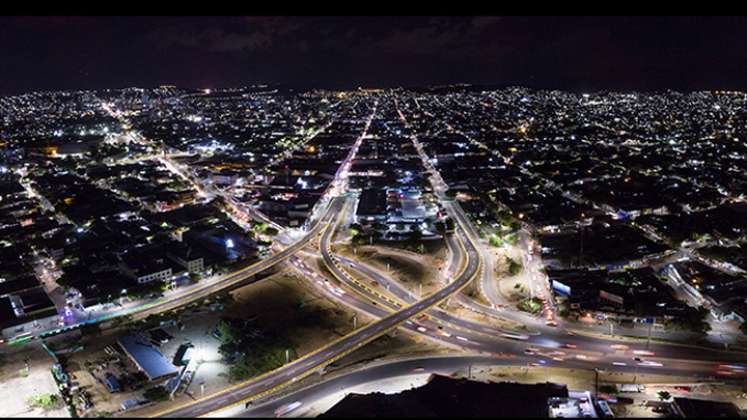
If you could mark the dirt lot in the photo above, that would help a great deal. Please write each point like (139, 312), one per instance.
(286, 300)
(16, 386)
(283, 304)
(89, 367)
(409, 268)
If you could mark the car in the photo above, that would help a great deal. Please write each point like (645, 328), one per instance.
(418, 369)
(683, 388)
(287, 409)
(569, 345)
(732, 367)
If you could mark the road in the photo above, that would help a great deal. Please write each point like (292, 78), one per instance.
(336, 386)
(174, 299)
(577, 351)
(306, 365)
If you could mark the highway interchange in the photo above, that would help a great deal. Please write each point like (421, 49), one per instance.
(396, 307)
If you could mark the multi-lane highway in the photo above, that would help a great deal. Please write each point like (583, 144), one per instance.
(308, 364)
(298, 402)
(398, 308)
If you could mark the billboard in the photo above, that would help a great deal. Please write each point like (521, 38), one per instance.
(561, 288)
(611, 297)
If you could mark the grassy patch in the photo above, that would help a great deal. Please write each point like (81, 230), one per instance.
(514, 267)
(46, 401)
(531, 305)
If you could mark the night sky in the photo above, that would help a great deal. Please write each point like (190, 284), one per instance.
(581, 54)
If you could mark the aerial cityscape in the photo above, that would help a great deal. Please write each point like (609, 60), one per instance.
(436, 249)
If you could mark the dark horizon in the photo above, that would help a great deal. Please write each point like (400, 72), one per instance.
(581, 54)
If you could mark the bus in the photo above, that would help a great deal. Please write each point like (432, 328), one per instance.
(21, 339)
(515, 336)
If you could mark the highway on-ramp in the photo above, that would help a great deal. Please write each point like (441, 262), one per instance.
(308, 364)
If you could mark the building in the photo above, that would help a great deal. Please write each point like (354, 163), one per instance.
(147, 358)
(692, 408)
(187, 258)
(371, 207)
(443, 396)
(152, 271)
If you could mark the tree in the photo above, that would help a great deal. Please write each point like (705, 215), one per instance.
(225, 329)
(513, 267)
(664, 395)
(260, 227)
(415, 234)
(533, 305)
(356, 229)
(156, 394)
(693, 320)
(608, 389)
(45, 401)
(441, 227)
(380, 226)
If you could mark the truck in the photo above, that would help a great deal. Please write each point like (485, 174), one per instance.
(630, 388)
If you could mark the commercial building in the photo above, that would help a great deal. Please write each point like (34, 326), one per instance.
(147, 358)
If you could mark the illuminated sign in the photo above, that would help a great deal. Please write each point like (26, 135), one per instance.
(561, 288)
(611, 297)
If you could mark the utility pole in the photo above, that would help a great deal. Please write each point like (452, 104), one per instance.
(355, 321)
(287, 356)
(202, 389)
(596, 383)
(581, 250)
(650, 326)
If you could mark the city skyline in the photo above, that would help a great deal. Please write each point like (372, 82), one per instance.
(342, 52)
(255, 227)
